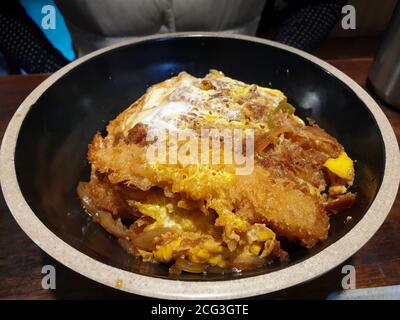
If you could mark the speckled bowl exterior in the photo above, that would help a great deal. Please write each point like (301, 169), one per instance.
(22, 186)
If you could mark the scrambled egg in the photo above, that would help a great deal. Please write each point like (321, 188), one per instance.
(194, 228)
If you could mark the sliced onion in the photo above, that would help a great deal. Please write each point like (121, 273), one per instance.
(105, 219)
(182, 264)
(83, 194)
(248, 262)
(145, 240)
(115, 227)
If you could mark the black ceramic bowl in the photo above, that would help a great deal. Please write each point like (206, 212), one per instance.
(50, 133)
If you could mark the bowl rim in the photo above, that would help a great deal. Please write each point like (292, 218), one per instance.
(308, 269)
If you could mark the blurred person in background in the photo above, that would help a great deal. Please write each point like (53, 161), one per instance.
(93, 24)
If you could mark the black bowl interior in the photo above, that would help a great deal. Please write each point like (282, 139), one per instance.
(51, 150)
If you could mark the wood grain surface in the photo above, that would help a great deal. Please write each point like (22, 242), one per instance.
(21, 261)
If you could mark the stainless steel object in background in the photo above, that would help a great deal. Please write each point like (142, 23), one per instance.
(384, 75)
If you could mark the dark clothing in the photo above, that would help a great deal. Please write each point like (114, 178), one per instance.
(308, 22)
(23, 44)
(302, 24)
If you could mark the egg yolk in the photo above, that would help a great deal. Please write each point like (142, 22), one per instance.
(342, 166)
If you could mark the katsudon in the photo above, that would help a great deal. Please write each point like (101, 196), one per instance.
(201, 215)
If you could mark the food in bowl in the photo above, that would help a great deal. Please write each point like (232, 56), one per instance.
(210, 174)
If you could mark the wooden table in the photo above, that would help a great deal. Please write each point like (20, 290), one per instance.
(21, 261)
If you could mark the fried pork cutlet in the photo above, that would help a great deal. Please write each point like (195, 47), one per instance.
(206, 215)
